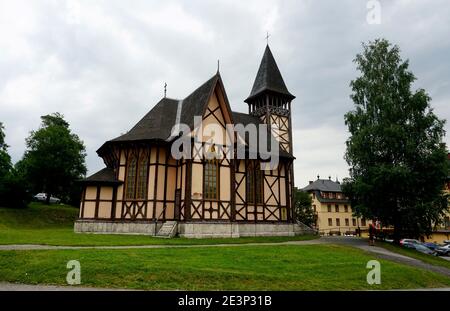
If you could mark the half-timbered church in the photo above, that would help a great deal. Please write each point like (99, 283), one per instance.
(145, 189)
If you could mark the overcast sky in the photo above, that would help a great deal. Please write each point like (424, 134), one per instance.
(103, 64)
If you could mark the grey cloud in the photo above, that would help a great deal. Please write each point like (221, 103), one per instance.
(106, 69)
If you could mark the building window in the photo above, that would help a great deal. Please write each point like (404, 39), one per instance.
(354, 222)
(330, 222)
(363, 222)
(137, 178)
(141, 191)
(329, 208)
(346, 208)
(255, 183)
(347, 222)
(131, 178)
(337, 208)
(314, 207)
(210, 178)
(338, 222)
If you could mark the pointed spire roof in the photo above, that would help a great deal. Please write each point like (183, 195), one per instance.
(269, 77)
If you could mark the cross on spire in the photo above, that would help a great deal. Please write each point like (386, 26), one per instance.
(267, 37)
(165, 89)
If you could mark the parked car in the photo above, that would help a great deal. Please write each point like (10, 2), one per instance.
(443, 250)
(406, 242)
(43, 197)
(423, 249)
(409, 245)
(432, 246)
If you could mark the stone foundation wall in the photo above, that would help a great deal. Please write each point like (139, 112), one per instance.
(236, 230)
(111, 227)
(192, 229)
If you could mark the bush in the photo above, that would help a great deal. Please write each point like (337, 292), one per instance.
(13, 191)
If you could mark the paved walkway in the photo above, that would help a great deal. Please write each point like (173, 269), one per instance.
(385, 254)
(21, 247)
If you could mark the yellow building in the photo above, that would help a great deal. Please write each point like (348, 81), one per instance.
(333, 211)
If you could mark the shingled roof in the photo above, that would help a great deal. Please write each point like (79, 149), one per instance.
(157, 124)
(105, 176)
(324, 185)
(269, 78)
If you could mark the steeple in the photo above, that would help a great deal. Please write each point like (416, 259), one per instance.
(270, 100)
(269, 79)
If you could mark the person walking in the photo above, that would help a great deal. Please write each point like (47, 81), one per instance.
(371, 235)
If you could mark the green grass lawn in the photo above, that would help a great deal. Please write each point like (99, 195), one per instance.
(284, 267)
(433, 260)
(53, 225)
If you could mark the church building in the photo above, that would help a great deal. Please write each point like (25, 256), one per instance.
(210, 191)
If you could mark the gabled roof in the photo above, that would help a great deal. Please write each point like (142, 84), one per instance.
(157, 124)
(105, 176)
(324, 185)
(269, 78)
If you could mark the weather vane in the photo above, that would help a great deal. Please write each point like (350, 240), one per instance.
(267, 37)
(165, 89)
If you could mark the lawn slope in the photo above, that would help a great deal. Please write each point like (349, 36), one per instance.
(284, 267)
(53, 225)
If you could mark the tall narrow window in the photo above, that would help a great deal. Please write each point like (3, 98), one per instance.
(210, 179)
(142, 181)
(254, 183)
(137, 178)
(131, 178)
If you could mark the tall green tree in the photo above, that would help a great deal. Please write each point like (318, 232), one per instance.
(303, 207)
(54, 159)
(5, 159)
(395, 150)
(12, 188)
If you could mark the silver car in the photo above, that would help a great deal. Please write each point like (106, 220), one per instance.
(43, 197)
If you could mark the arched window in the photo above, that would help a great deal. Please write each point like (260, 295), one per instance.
(137, 178)
(254, 183)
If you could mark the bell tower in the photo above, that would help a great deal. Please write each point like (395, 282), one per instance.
(270, 100)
